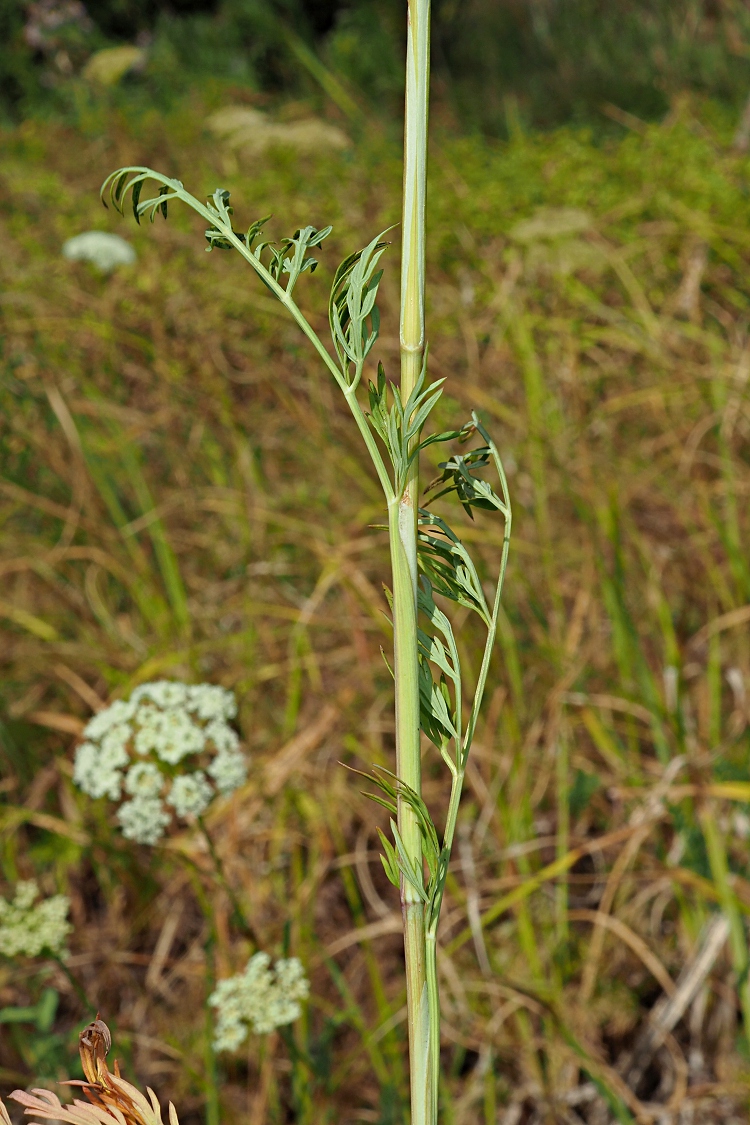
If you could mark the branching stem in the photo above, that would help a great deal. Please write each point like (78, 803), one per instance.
(418, 863)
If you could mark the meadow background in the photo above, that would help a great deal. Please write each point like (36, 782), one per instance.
(183, 496)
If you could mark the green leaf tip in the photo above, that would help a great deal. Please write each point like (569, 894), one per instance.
(352, 313)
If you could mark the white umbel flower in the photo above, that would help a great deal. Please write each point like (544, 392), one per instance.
(211, 702)
(96, 773)
(105, 251)
(28, 928)
(118, 712)
(171, 733)
(143, 820)
(144, 780)
(262, 998)
(190, 794)
(228, 771)
(169, 746)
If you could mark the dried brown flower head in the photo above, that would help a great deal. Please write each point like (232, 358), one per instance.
(111, 1100)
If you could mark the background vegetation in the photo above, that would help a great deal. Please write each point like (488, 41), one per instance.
(182, 496)
(544, 61)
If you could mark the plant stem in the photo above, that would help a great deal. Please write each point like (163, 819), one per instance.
(212, 1107)
(563, 835)
(316, 69)
(738, 946)
(409, 770)
(238, 915)
(403, 535)
(74, 982)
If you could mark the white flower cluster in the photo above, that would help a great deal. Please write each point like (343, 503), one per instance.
(27, 929)
(149, 747)
(106, 251)
(261, 997)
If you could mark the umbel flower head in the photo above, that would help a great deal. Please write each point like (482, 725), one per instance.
(28, 927)
(106, 251)
(168, 750)
(261, 997)
(111, 1100)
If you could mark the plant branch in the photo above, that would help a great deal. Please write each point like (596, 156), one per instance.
(238, 913)
(74, 983)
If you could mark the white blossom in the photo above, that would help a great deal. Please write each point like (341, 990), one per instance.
(144, 779)
(262, 998)
(106, 251)
(169, 737)
(164, 693)
(231, 1030)
(212, 702)
(190, 794)
(223, 737)
(28, 929)
(143, 820)
(172, 734)
(118, 712)
(229, 771)
(96, 775)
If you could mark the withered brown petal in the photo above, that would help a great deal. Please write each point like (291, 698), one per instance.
(94, 1043)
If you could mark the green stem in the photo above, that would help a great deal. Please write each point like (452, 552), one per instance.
(403, 513)
(563, 835)
(238, 915)
(286, 299)
(213, 1112)
(433, 995)
(457, 769)
(74, 983)
(325, 77)
(738, 946)
(409, 770)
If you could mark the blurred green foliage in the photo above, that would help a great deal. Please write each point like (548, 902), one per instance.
(496, 63)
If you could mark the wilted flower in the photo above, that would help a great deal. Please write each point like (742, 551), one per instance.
(28, 927)
(171, 745)
(261, 997)
(111, 1100)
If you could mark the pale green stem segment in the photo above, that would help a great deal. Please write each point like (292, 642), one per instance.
(408, 769)
(422, 1016)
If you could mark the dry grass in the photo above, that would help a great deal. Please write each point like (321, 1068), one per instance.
(182, 496)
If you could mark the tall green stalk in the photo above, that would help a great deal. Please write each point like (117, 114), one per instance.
(403, 535)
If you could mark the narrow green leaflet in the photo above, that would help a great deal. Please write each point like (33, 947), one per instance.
(352, 313)
(458, 477)
(440, 716)
(400, 425)
(447, 565)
